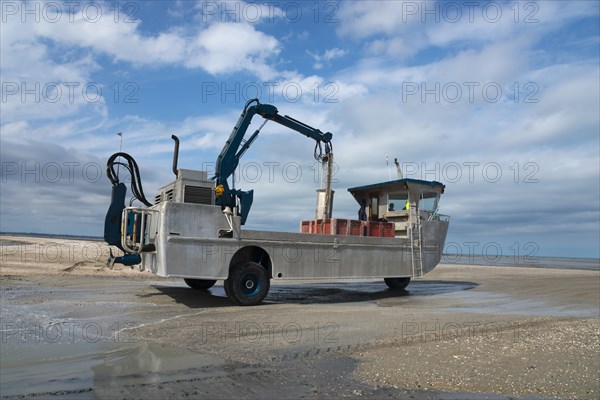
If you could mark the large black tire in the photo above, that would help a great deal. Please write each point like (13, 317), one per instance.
(397, 283)
(227, 287)
(248, 284)
(199, 284)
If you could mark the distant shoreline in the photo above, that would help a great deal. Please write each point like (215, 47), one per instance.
(452, 259)
(52, 236)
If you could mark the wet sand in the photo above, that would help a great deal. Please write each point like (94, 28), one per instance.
(74, 328)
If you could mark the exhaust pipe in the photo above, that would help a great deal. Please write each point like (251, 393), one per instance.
(175, 154)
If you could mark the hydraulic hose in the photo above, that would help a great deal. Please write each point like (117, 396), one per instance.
(318, 152)
(136, 182)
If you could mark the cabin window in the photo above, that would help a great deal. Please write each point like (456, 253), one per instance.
(428, 202)
(397, 201)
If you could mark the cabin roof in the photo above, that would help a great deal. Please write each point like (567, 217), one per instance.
(399, 184)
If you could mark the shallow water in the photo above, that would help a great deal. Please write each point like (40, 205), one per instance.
(522, 261)
(79, 368)
(82, 343)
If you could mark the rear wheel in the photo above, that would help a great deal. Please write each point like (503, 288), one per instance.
(227, 287)
(200, 284)
(397, 283)
(248, 284)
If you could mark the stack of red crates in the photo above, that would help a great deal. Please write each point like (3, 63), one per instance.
(332, 226)
(344, 227)
(380, 229)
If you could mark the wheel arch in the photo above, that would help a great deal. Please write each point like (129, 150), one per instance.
(253, 253)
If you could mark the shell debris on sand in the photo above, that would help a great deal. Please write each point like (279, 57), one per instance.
(546, 357)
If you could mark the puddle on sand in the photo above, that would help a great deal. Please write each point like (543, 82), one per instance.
(360, 291)
(87, 370)
(482, 302)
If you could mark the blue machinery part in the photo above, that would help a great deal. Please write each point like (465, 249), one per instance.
(246, 198)
(127, 259)
(112, 222)
(229, 158)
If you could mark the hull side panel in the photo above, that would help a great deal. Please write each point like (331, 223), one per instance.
(187, 246)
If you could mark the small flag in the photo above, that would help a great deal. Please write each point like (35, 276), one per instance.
(120, 134)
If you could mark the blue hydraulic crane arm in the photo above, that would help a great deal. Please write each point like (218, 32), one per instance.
(229, 158)
(234, 148)
(301, 127)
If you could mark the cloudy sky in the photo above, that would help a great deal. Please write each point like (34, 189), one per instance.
(497, 100)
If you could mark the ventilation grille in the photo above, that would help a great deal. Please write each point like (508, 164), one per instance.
(165, 196)
(197, 194)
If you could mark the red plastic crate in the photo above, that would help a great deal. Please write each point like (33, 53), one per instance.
(306, 226)
(388, 229)
(341, 227)
(355, 228)
(375, 228)
(334, 226)
(365, 228)
(327, 226)
(319, 226)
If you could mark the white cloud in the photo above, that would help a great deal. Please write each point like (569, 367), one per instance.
(390, 47)
(327, 56)
(219, 48)
(362, 19)
(207, 141)
(404, 28)
(48, 67)
(566, 112)
(333, 53)
(470, 70)
(34, 86)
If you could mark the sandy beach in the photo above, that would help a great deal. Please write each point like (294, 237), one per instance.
(74, 328)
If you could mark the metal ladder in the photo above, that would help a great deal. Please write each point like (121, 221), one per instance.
(416, 246)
